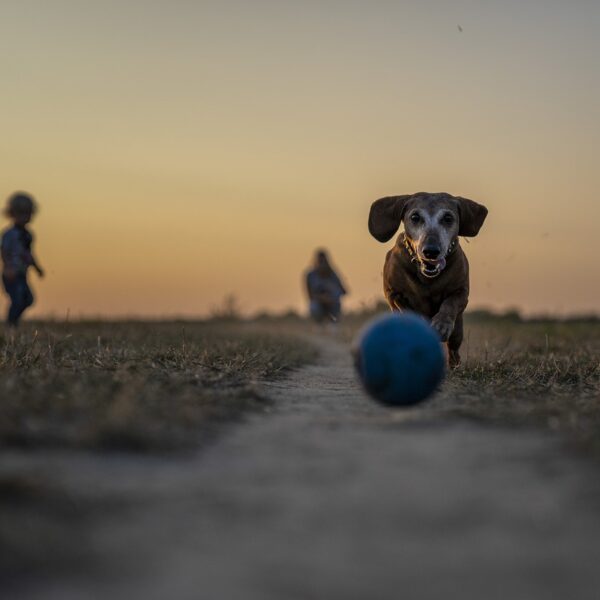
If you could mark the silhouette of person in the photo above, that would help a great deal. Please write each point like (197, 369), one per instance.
(17, 255)
(324, 289)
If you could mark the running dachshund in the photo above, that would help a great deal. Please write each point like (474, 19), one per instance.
(427, 271)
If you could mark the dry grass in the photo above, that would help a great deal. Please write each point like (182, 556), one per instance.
(139, 386)
(151, 386)
(543, 373)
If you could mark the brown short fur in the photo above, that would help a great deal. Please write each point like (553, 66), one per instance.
(431, 221)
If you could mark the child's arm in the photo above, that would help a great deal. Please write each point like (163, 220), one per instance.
(32, 260)
(308, 287)
(37, 267)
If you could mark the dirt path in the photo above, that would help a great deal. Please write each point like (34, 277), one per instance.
(331, 497)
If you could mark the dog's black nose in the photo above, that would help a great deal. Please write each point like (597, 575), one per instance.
(431, 252)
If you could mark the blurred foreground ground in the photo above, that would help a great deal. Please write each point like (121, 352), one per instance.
(317, 492)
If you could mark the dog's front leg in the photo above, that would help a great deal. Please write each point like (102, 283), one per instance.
(443, 322)
(394, 300)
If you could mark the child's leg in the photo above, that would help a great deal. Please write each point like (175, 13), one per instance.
(335, 311)
(10, 287)
(20, 296)
(28, 298)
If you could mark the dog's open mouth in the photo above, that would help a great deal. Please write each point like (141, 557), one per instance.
(432, 268)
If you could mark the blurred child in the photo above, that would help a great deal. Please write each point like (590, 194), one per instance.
(325, 290)
(17, 256)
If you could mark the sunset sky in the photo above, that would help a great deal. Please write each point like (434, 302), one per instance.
(184, 150)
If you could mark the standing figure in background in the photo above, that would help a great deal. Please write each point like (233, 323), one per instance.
(325, 290)
(17, 256)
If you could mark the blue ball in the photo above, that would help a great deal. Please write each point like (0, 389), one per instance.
(399, 358)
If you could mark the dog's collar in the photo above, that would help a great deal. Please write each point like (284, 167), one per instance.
(409, 249)
(414, 258)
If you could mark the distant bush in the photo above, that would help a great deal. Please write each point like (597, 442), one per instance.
(228, 310)
(483, 315)
(287, 315)
(513, 315)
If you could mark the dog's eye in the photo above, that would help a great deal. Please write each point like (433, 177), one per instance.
(448, 219)
(415, 218)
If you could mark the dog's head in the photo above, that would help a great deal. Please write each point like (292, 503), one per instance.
(432, 222)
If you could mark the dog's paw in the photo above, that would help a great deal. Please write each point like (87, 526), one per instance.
(453, 359)
(444, 325)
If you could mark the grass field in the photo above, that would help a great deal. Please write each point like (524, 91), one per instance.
(544, 373)
(161, 388)
(156, 386)
(136, 386)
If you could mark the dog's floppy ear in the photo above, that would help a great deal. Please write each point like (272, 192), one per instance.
(471, 217)
(385, 216)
